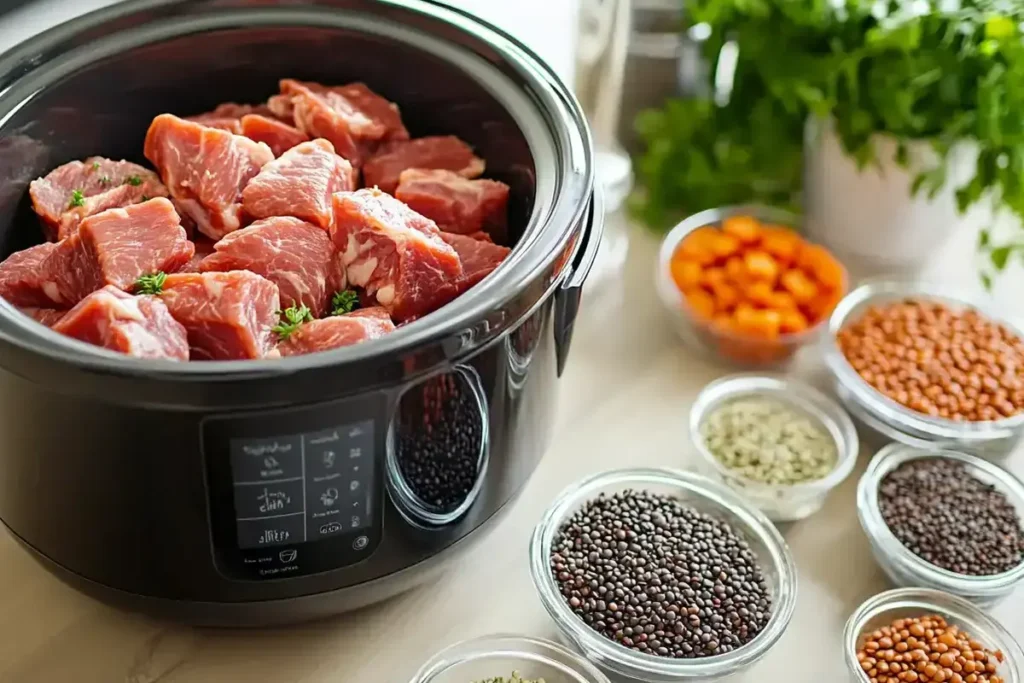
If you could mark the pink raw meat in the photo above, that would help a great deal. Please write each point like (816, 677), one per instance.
(138, 326)
(279, 136)
(300, 184)
(479, 258)
(203, 248)
(23, 280)
(205, 169)
(396, 254)
(295, 255)
(228, 316)
(117, 247)
(445, 152)
(455, 203)
(228, 116)
(337, 331)
(44, 316)
(100, 184)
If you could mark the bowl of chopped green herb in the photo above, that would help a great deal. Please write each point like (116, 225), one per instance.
(780, 443)
(507, 659)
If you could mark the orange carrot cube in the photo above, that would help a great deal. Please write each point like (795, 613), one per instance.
(724, 245)
(701, 303)
(758, 323)
(712, 276)
(746, 229)
(726, 296)
(735, 270)
(761, 266)
(782, 301)
(817, 261)
(686, 274)
(697, 246)
(781, 243)
(799, 285)
(760, 293)
(792, 321)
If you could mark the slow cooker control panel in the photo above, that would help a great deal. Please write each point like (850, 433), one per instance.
(296, 492)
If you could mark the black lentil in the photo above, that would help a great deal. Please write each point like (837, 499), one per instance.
(654, 575)
(438, 442)
(949, 518)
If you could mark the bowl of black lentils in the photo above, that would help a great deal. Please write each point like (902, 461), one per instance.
(780, 443)
(920, 635)
(661, 575)
(507, 659)
(945, 520)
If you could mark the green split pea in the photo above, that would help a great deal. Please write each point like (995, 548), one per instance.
(769, 441)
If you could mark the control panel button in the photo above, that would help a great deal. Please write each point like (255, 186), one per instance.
(266, 459)
(254, 500)
(360, 543)
(256, 533)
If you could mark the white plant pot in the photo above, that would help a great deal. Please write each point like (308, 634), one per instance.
(868, 217)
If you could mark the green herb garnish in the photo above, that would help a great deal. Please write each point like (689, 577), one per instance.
(145, 197)
(104, 180)
(291, 319)
(133, 180)
(77, 199)
(344, 301)
(150, 284)
(95, 165)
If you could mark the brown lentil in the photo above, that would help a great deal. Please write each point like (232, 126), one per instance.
(955, 364)
(925, 649)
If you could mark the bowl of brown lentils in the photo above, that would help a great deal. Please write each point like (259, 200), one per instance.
(920, 363)
(780, 443)
(944, 520)
(661, 575)
(919, 635)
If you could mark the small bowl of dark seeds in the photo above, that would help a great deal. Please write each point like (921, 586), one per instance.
(944, 520)
(661, 575)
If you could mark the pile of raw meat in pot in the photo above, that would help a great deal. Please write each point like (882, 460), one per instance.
(253, 238)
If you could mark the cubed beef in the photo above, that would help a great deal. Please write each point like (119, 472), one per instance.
(337, 331)
(228, 116)
(396, 254)
(278, 136)
(205, 169)
(79, 189)
(138, 326)
(24, 281)
(204, 246)
(300, 183)
(353, 118)
(455, 203)
(117, 247)
(44, 316)
(228, 316)
(478, 257)
(295, 255)
(445, 152)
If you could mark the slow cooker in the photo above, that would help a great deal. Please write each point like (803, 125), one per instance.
(262, 492)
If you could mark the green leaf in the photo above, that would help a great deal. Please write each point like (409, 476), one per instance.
(986, 281)
(292, 318)
(77, 199)
(982, 239)
(150, 284)
(133, 180)
(344, 301)
(999, 256)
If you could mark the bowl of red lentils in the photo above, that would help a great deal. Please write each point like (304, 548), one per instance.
(923, 364)
(945, 520)
(920, 635)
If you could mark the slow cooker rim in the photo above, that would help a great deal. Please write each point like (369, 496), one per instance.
(575, 159)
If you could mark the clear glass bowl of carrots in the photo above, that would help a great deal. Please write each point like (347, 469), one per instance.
(743, 284)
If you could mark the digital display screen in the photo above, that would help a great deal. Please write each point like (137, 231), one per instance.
(303, 487)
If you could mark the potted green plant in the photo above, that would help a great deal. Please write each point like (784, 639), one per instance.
(886, 120)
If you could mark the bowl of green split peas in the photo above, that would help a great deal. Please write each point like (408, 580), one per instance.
(781, 443)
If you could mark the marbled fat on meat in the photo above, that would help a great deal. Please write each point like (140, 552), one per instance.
(456, 204)
(337, 331)
(444, 152)
(295, 255)
(205, 170)
(300, 183)
(228, 316)
(103, 184)
(138, 326)
(396, 254)
(23, 280)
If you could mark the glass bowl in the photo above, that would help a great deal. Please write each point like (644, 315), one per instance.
(706, 495)
(884, 608)
(780, 502)
(500, 655)
(885, 416)
(902, 566)
(719, 344)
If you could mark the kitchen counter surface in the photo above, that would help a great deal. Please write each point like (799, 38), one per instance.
(625, 398)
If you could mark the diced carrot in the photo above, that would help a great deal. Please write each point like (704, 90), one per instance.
(726, 296)
(817, 261)
(712, 276)
(735, 270)
(758, 323)
(724, 323)
(725, 245)
(701, 303)
(697, 246)
(760, 293)
(820, 307)
(686, 274)
(782, 301)
(799, 285)
(746, 229)
(782, 243)
(792, 321)
(761, 266)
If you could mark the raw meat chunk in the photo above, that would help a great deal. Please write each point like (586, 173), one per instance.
(205, 170)
(116, 247)
(203, 248)
(78, 189)
(293, 254)
(396, 254)
(300, 183)
(228, 316)
(44, 316)
(337, 331)
(280, 137)
(228, 116)
(23, 281)
(445, 152)
(455, 203)
(353, 118)
(138, 326)
(478, 257)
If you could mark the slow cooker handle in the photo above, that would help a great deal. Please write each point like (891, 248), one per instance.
(567, 296)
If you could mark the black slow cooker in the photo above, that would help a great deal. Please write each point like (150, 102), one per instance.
(259, 492)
